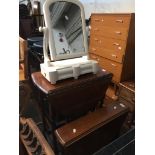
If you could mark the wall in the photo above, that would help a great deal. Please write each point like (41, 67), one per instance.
(104, 6)
(108, 6)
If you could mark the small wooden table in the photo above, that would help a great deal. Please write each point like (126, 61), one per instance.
(88, 87)
(89, 133)
(69, 99)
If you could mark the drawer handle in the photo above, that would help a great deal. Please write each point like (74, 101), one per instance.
(113, 65)
(93, 49)
(97, 20)
(102, 20)
(118, 32)
(116, 44)
(113, 55)
(119, 21)
(96, 39)
(96, 29)
(119, 47)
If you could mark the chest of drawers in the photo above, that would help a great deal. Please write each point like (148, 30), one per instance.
(112, 44)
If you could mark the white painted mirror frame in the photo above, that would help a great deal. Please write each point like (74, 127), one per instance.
(50, 40)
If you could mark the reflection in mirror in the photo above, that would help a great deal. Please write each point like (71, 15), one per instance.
(67, 31)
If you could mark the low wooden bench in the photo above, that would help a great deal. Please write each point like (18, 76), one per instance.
(89, 133)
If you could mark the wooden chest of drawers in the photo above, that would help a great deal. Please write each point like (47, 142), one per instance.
(112, 44)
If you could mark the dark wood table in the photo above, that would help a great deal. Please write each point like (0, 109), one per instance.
(46, 87)
(70, 99)
(70, 92)
(89, 133)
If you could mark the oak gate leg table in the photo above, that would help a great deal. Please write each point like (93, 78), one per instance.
(69, 99)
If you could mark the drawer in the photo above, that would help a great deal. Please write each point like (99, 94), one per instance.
(117, 20)
(110, 32)
(108, 53)
(108, 43)
(109, 65)
(106, 47)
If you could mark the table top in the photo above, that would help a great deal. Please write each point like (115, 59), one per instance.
(45, 86)
(90, 122)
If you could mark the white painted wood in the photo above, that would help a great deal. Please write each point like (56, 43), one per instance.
(58, 69)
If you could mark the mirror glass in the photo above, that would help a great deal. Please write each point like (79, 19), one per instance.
(66, 23)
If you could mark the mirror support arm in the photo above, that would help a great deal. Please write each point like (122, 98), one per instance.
(45, 45)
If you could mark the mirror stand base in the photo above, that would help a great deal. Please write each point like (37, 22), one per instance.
(64, 69)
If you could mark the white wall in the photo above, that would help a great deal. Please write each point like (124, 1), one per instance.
(104, 6)
(108, 6)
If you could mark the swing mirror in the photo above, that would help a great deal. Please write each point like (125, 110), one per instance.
(66, 26)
